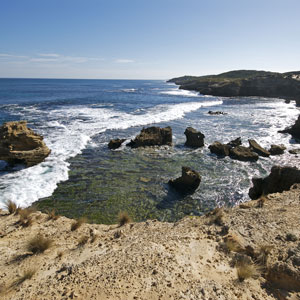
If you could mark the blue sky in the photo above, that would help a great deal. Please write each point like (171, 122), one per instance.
(153, 39)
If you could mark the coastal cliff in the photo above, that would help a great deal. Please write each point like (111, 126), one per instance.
(248, 252)
(245, 83)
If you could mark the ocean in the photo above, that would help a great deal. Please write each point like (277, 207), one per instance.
(82, 177)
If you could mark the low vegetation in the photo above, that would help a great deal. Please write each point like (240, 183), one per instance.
(39, 244)
(82, 240)
(25, 276)
(11, 207)
(52, 215)
(124, 218)
(77, 223)
(246, 269)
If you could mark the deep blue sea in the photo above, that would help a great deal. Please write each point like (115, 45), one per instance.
(83, 177)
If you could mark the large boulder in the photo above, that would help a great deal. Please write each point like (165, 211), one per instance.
(219, 149)
(19, 144)
(279, 180)
(115, 143)
(188, 182)
(277, 149)
(194, 138)
(255, 147)
(152, 136)
(294, 130)
(243, 153)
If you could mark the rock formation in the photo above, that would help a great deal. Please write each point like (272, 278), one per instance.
(295, 151)
(235, 143)
(280, 179)
(219, 149)
(293, 130)
(115, 143)
(255, 147)
(152, 136)
(244, 83)
(216, 113)
(19, 144)
(188, 182)
(277, 149)
(194, 138)
(243, 153)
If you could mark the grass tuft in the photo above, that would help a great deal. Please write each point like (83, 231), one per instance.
(217, 216)
(25, 276)
(52, 214)
(246, 269)
(261, 201)
(39, 244)
(11, 206)
(124, 218)
(60, 254)
(25, 217)
(263, 254)
(77, 223)
(82, 240)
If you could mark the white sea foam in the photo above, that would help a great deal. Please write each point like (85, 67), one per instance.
(67, 132)
(129, 90)
(178, 92)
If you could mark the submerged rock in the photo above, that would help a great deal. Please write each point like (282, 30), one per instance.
(194, 138)
(152, 136)
(20, 144)
(255, 147)
(216, 113)
(277, 149)
(188, 182)
(243, 153)
(294, 130)
(115, 143)
(294, 151)
(219, 149)
(279, 180)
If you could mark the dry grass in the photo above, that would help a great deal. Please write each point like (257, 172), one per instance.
(124, 218)
(11, 207)
(25, 276)
(60, 254)
(263, 254)
(77, 223)
(39, 244)
(246, 269)
(261, 201)
(233, 244)
(52, 215)
(82, 240)
(25, 216)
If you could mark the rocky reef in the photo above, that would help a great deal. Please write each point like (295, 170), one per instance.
(279, 180)
(19, 144)
(294, 130)
(152, 136)
(188, 182)
(194, 138)
(245, 83)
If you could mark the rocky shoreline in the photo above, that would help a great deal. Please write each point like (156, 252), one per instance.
(223, 255)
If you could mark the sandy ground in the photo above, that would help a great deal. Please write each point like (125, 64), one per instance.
(189, 259)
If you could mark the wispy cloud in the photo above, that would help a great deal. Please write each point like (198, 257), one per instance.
(49, 54)
(6, 55)
(124, 61)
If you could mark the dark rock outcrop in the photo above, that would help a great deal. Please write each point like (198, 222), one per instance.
(115, 143)
(294, 151)
(219, 149)
(277, 149)
(280, 179)
(152, 136)
(19, 144)
(293, 130)
(244, 83)
(188, 182)
(216, 113)
(194, 138)
(243, 154)
(255, 147)
(235, 143)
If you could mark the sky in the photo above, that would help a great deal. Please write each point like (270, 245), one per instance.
(146, 39)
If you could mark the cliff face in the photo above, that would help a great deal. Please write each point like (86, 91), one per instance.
(245, 83)
(194, 258)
